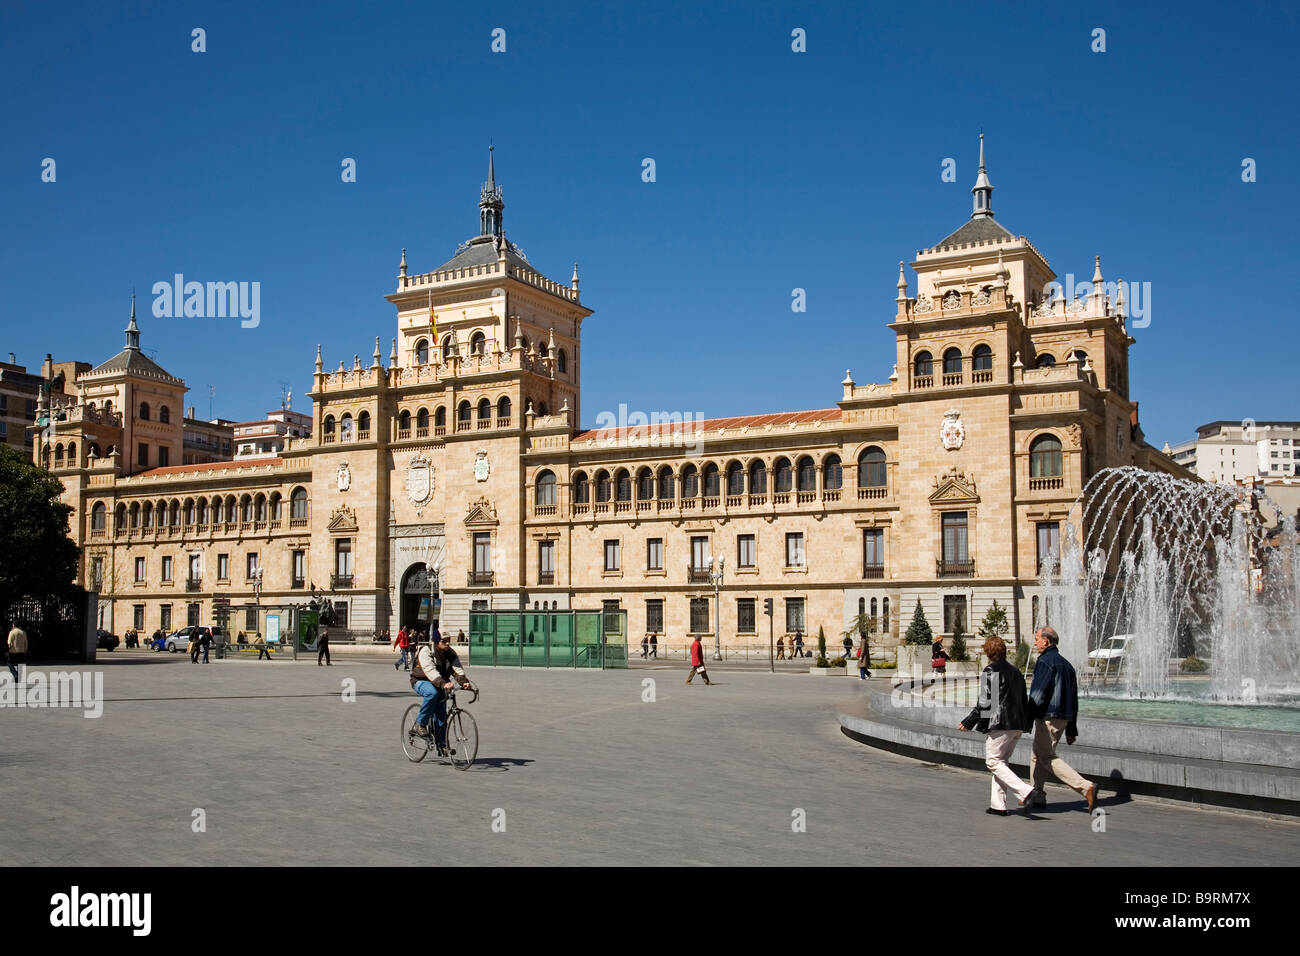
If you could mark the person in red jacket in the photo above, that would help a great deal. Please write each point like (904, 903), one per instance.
(697, 662)
(402, 642)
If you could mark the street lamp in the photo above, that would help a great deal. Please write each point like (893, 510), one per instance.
(257, 586)
(715, 577)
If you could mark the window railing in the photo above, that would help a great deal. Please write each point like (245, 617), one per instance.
(709, 502)
(439, 430)
(422, 431)
(945, 568)
(805, 497)
(688, 504)
(1046, 484)
(923, 381)
(327, 438)
(363, 434)
(478, 578)
(735, 501)
(298, 583)
(666, 504)
(193, 583)
(781, 498)
(757, 501)
(643, 506)
(952, 378)
(879, 491)
(483, 423)
(581, 508)
(981, 376)
(403, 434)
(831, 494)
(340, 582)
(698, 575)
(297, 522)
(546, 577)
(544, 510)
(463, 425)
(503, 421)
(873, 572)
(621, 506)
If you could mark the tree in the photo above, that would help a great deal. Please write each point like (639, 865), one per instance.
(821, 641)
(38, 559)
(958, 650)
(918, 632)
(995, 622)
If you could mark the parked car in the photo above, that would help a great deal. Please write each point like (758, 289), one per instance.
(105, 641)
(1109, 655)
(180, 640)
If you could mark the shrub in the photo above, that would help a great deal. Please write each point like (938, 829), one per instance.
(821, 641)
(1194, 665)
(918, 632)
(1022, 656)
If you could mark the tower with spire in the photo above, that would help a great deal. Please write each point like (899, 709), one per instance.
(491, 205)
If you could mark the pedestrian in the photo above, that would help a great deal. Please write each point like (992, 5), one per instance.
(1054, 702)
(260, 643)
(848, 646)
(17, 650)
(654, 647)
(645, 647)
(194, 646)
(939, 658)
(205, 643)
(864, 660)
(798, 644)
(401, 642)
(460, 637)
(1002, 713)
(323, 647)
(780, 648)
(697, 662)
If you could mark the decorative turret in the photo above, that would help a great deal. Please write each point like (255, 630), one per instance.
(133, 330)
(982, 190)
(392, 356)
(375, 362)
(574, 284)
(1097, 287)
(902, 283)
(402, 268)
(490, 204)
(318, 359)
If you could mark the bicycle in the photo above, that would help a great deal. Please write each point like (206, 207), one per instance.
(462, 733)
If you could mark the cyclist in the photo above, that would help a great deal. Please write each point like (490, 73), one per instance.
(433, 672)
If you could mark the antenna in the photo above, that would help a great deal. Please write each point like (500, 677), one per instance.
(212, 390)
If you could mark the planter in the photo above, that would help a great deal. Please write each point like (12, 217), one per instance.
(913, 662)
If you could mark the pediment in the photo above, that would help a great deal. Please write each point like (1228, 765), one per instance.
(954, 488)
(481, 514)
(343, 519)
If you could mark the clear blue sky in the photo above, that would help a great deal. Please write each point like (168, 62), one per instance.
(775, 170)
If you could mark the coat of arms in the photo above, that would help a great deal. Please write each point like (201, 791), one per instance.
(345, 477)
(482, 467)
(419, 480)
(952, 431)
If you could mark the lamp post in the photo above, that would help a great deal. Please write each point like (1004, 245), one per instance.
(257, 586)
(715, 577)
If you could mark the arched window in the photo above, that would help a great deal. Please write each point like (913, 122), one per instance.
(735, 479)
(623, 486)
(259, 508)
(72, 453)
(218, 511)
(298, 503)
(440, 416)
(711, 481)
(189, 511)
(146, 515)
(503, 409)
(1045, 457)
(784, 476)
(546, 488)
(144, 411)
(952, 362)
(201, 511)
(1045, 360)
(165, 415)
(871, 469)
(873, 607)
(561, 361)
(246, 509)
(422, 418)
(231, 514)
(667, 490)
(97, 514)
(404, 421)
(832, 473)
(363, 424)
(645, 485)
(884, 615)
(524, 340)
(478, 345)
(119, 518)
(174, 513)
(463, 412)
(982, 359)
(58, 452)
(447, 350)
(690, 482)
(422, 352)
(541, 409)
(604, 486)
(484, 410)
(758, 477)
(581, 489)
(862, 605)
(923, 365)
(329, 424)
(345, 427)
(276, 509)
(807, 474)
(1080, 357)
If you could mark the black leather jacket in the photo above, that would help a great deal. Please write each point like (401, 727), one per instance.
(1001, 681)
(1055, 691)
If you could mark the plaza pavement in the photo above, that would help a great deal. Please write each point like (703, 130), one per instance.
(286, 771)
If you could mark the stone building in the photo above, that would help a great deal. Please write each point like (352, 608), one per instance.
(460, 454)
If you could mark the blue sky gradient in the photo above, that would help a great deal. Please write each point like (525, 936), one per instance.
(775, 170)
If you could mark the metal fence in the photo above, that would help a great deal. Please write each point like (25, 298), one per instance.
(56, 630)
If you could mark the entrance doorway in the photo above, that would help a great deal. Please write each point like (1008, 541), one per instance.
(420, 605)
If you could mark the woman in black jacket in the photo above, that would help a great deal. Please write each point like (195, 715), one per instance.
(938, 658)
(1003, 714)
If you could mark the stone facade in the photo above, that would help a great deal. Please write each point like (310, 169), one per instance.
(943, 484)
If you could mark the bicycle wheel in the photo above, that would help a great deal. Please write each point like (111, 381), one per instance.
(462, 739)
(415, 746)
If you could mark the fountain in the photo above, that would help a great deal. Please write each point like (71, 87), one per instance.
(1187, 569)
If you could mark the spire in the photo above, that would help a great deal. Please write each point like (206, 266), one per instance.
(490, 203)
(902, 283)
(982, 190)
(318, 359)
(133, 330)
(402, 267)
(574, 284)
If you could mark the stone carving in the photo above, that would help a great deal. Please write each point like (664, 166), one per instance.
(953, 487)
(982, 297)
(344, 477)
(481, 512)
(952, 299)
(343, 519)
(1076, 306)
(482, 467)
(1046, 307)
(419, 482)
(952, 431)
(923, 304)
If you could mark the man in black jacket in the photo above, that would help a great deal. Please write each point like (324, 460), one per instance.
(1003, 714)
(1054, 699)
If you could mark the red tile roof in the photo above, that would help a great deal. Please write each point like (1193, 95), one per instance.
(712, 424)
(210, 466)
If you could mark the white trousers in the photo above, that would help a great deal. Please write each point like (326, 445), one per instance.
(997, 748)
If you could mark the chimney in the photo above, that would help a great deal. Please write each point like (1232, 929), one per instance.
(189, 412)
(13, 359)
(47, 367)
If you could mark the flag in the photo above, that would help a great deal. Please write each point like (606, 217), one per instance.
(433, 323)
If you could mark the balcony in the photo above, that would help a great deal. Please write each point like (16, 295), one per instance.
(297, 522)
(710, 501)
(981, 376)
(546, 577)
(194, 584)
(805, 497)
(955, 569)
(781, 498)
(327, 438)
(832, 494)
(873, 572)
(463, 425)
(666, 504)
(757, 501)
(340, 582)
(952, 378)
(403, 434)
(483, 423)
(503, 421)
(298, 583)
(439, 431)
(923, 381)
(422, 431)
(1047, 484)
(478, 579)
(544, 510)
(880, 491)
(698, 575)
(363, 434)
